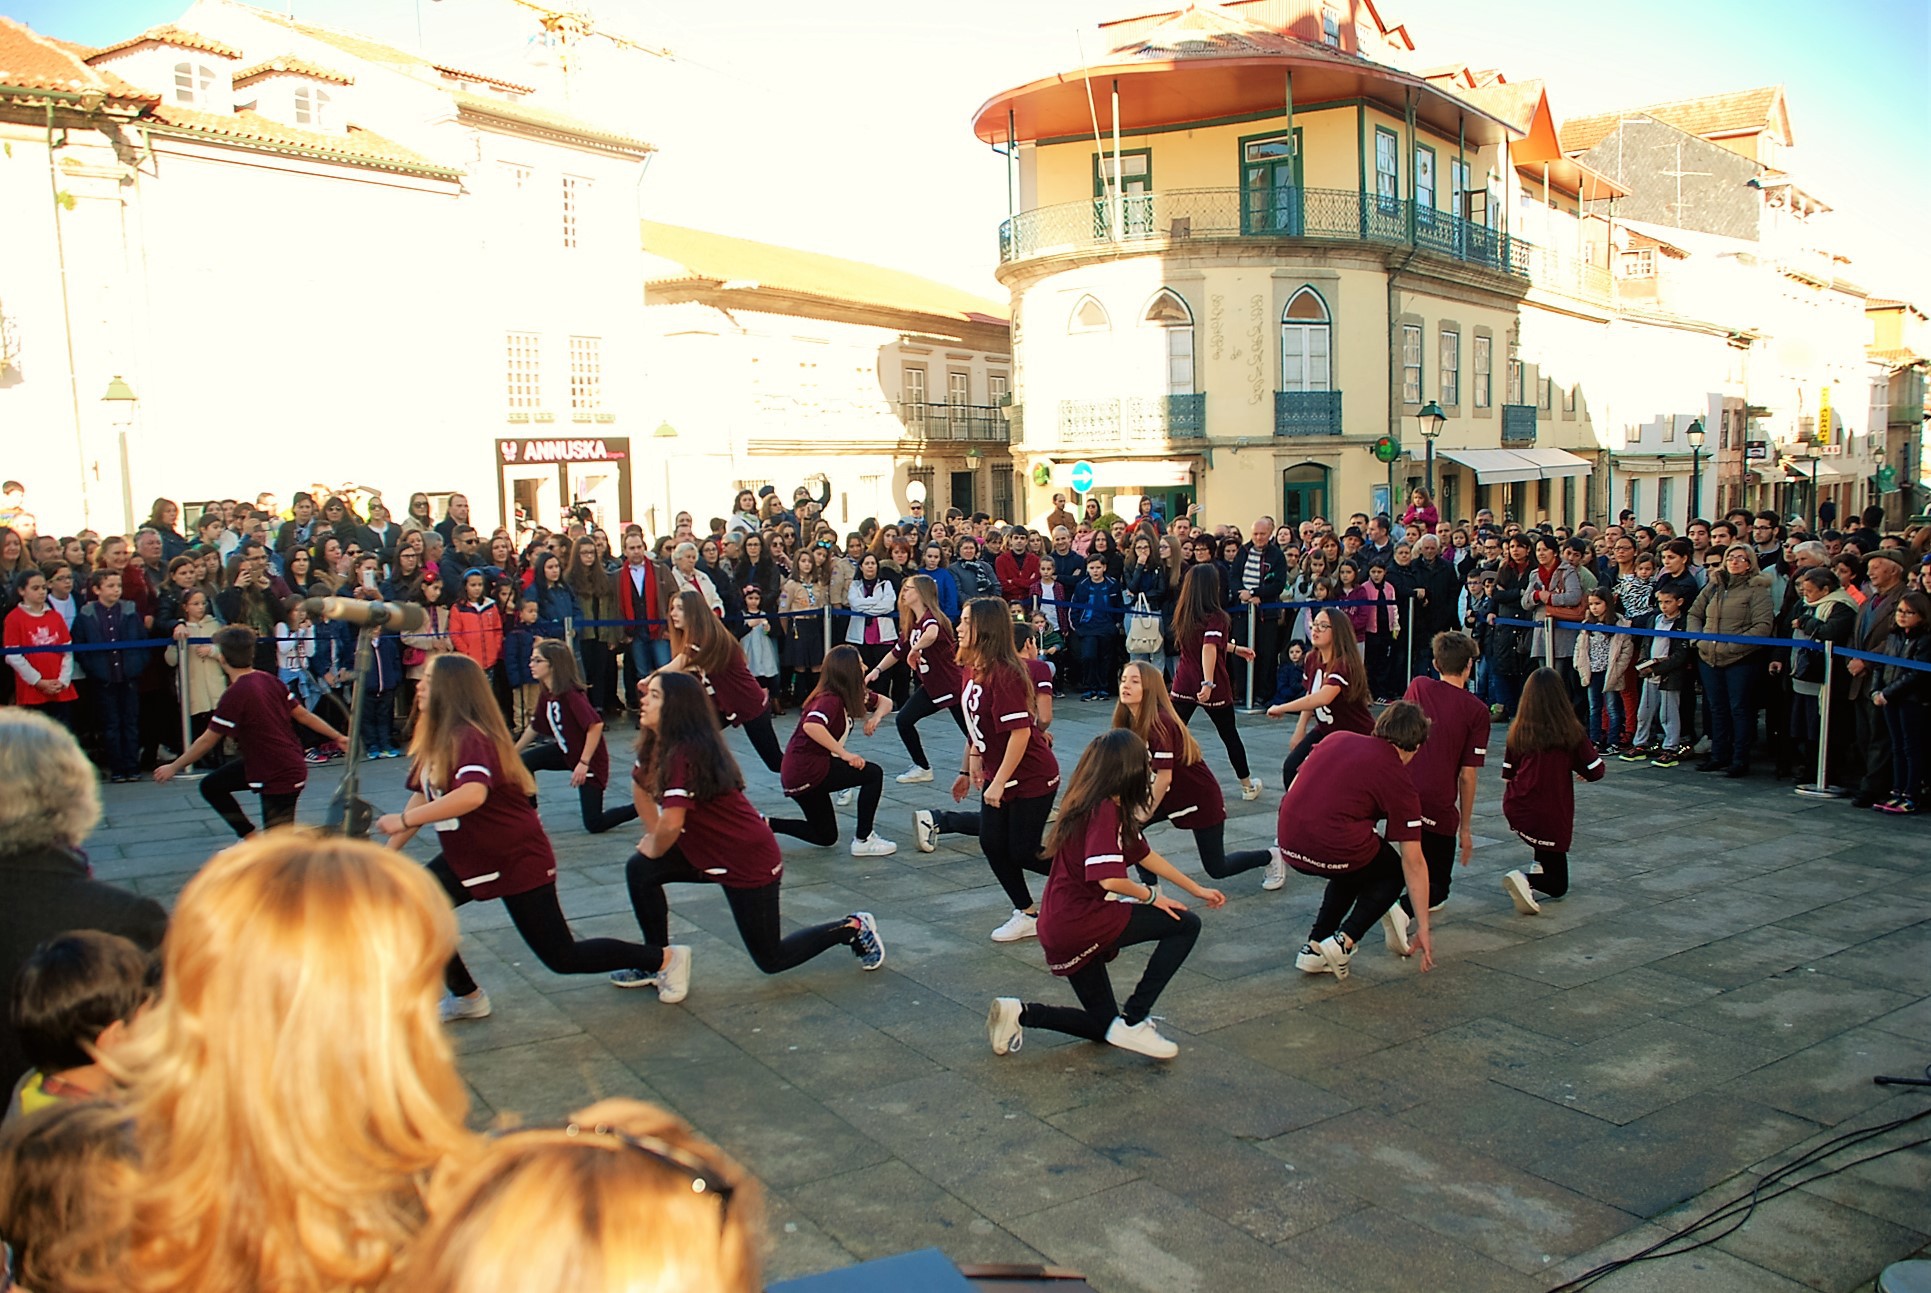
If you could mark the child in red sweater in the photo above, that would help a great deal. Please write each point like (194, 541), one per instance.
(1547, 746)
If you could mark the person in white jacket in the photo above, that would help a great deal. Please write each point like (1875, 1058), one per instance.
(875, 631)
(690, 579)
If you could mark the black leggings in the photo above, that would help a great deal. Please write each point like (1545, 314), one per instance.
(1009, 836)
(754, 910)
(820, 825)
(1439, 850)
(548, 756)
(1223, 721)
(219, 788)
(1291, 766)
(918, 709)
(764, 740)
(539, 919)
(1355, 900)
(1173, 937)
(1217, 862)
(1553, 880)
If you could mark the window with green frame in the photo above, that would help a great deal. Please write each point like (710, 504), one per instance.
(1387, 166)
(1568, 500)
(1424, 181)
(1136, 171)
(1135, 204)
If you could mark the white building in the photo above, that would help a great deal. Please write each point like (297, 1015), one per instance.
(315, 259)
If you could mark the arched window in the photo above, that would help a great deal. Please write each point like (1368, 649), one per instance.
(194, 84)
(1306, 351)
(1089, 316)
(1170, 314)
(311, 107)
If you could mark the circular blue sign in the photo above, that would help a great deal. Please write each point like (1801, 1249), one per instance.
(1082, 476)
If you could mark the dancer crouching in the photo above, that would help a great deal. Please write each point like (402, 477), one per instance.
(817, 764)
(1093, 908)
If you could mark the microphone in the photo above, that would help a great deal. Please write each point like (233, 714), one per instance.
(404, 616)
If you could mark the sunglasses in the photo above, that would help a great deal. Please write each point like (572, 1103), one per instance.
(703, 1177)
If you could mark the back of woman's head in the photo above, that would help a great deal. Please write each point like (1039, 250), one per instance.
(1544, 719)
(623, 1198)
(48, 795)
(843, 676)
(1199, 599)
(1114, 766)
(65, 1176)
(293, 1081)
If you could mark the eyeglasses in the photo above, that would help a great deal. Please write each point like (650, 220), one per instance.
(704, 1178)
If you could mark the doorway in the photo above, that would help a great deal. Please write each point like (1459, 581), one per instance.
(1271, 185)
(962, 492)
(1304, 494)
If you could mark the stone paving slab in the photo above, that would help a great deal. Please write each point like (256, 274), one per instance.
(1733, 964)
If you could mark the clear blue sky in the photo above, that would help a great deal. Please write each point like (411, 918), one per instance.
(846, 129)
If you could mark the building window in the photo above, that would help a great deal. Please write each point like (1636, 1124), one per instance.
(1089, 316)
(1410, 363)
(1387, 168)
(1638, 262)
(523, 371)
(912, 393)
(1170, 314)
(998, 390)
(1542, 493)
(575, 191)
(586, 374)
(1424, 179)
(1665, 497)
(1569, 399)
(1002, 493)
(1458, 187)
(194, 84)
(1545, 394)
(1331, 28)
(1451, 367)
(1306, 356)
(1484, 370)
(1568, 500)
(311, 107)
(1635, 503)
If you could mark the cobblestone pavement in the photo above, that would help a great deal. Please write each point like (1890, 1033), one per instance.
(1732, 966)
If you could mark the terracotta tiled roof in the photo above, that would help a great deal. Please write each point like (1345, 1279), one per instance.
(36, 62)
(716, 259)
(464, 74)
(169, 34)
(544, 119)
(294, 67)
(355, 147)
(1712, 114)
(1895, 356)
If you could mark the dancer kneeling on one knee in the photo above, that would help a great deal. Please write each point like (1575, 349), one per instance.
(1548, 752)
(1327, 829)
(700, 829)
(566, 735)
(1093, 908)
(817, 764)
(702, 647)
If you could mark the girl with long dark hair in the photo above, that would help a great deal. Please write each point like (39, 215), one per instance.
(1093, 908)
(930, 647)
(468, 783)
(1547, 750)
(1336, 698)
(701, 645)
(1201, 630)
(817, 765)
(599, 640)
(566, 734)
(700, 829)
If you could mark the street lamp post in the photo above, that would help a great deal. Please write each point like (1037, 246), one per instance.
(1695, 437)
(1815, 458)
(1429, 420)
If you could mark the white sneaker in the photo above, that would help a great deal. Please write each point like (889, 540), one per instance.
(844, 797)
(1142, 1037)
(1275, 877)
(1310, 961)
(1250, 788)
(1434, 907)
(1020, 926)
(675, 977)
(474, 1006)
(913, 775)
(1335, 955)
(1002, 1026)
(1395, 926)
(1516, 885)
(873, 846)
(925, 830)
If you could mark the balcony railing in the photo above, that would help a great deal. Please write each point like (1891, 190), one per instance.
(1133, 420)
(1518, 425)
(1180, 216)
(1305, 413)
(951, 422)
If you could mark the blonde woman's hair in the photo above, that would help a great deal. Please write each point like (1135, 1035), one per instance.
(48, 795)
(1155, 701)
(65, 1174)
(459, 699)
(624, 1198)
(292, 1088)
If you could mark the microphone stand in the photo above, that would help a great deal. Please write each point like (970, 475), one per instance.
(348, 813)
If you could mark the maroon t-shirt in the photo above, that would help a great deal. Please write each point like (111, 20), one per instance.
(1343, 715)
(1186, 667)
(567, 720)
(497, 850)
(1040, 672)
(1328, 816)
(994, 709)
(1193, 800)
(1539, 793)
(1458, 728)
(939, 666)
(258, 711)
(723, 836)
(735, 693)
(1076, 921)
(807, 763)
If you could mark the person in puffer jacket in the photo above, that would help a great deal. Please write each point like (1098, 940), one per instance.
(1904, 695)
(1736, 603)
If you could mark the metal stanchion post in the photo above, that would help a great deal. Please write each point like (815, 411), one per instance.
(1548, 639)
(826, 644)
(1823, 789)
(1253, 615)
(182, 650)
(1408, 627)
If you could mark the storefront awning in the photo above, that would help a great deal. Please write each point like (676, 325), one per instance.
(1494, 466)
(1827, 472)
(1769, 473)
(1555, 463)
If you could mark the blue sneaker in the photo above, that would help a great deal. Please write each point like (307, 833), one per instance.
(866, 944)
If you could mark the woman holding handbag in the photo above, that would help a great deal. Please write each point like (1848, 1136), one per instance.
(1145, 587)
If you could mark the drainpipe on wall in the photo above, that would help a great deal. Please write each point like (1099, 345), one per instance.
(1394, 361)
(67, 320)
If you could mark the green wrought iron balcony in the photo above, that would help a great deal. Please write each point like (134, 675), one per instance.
(1178, 217)
(1307, 413)
(1518, 425)
(984, 423)
(1145, 420)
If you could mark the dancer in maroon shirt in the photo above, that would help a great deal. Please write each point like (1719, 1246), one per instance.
(703, 647)
(817, 765)
(1547, 753)
(930, 647)
(1093, 908)
(566, 734)
(1327, 828)
(927, 825)
(1203, 634)
(1337, 689)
